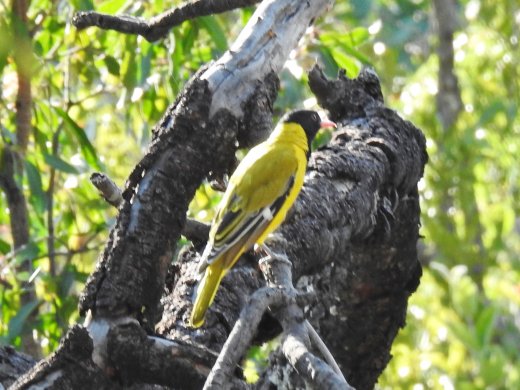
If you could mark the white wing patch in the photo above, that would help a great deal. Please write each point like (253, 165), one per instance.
(267, 213)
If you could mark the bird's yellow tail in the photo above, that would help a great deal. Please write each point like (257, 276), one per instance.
(205, 293)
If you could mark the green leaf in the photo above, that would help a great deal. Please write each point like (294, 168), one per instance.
(5, 247)
(189, 35)
(485, 325)
(493, 365)
(16, 323)
(40, 138)
(84, 5)
(343, 45)
(352, 38)
(346, 62)
(27, 252)
(87, 150)
(212, 26)
(129, 65)
(464, 335)
(59, 164)
(330, 65)
(489, 113)
(112, 65)
(111, 6)
(358, 36)
(37, 196)
(5, 43)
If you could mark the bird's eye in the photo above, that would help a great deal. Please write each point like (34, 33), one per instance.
(315, 117)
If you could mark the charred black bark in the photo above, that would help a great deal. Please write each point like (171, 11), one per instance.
(140, 359)
(186, 153)
(354, 229)
(351, 235)
(71, 366)
(187, 145)
(159, 26)
(13, 364)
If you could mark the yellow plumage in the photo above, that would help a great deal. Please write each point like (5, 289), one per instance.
(256, 201)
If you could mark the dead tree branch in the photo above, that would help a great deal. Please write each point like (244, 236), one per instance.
(241, 336)
(14, 364)
(353, 231)
(159, 26)
(107, 188)
(197, 135)
(296, 338)
(193, 230)
(279, 297)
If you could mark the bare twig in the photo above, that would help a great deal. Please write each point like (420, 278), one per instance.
(314, 370)
(196, 231)
(318, 343)
(160, 25)
(279, 298)
(107, 188)
(193, 230)
(243, 332)
(298, 333)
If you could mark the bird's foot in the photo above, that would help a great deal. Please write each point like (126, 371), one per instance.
(271, 256)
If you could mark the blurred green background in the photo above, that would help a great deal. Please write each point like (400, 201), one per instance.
(97, 94)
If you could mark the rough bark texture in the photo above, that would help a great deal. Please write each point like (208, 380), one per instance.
(71, 367)
(351, 235)
(131, 352)
(13, 364)
(181, 152)
(138, 253)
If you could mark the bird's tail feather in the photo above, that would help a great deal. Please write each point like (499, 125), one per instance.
(205, 292)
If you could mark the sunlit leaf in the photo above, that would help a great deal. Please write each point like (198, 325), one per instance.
(485, 325)
(27, 252)
(35, 186)
(4, 247)
(17, 322)
(59, 164)
(87, 150)
(110, 6)
(211, 25)
(112, 65)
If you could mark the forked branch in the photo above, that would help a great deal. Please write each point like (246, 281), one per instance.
(280, 298)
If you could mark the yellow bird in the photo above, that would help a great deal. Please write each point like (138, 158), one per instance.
(260, 192)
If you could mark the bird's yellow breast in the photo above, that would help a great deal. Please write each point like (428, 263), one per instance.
(291, 197)
(289, 138)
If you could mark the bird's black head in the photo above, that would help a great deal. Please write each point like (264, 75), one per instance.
(309, 120)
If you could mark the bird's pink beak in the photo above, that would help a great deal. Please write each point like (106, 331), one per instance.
(327, 123)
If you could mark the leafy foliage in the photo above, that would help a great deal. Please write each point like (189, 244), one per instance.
(96, 95)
